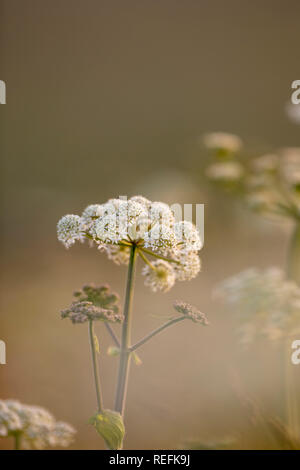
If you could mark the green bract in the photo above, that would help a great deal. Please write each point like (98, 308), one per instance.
(109, 424)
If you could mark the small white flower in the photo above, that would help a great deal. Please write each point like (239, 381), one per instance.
(142, 200)
(225, 171)
(188, 267)
(90, 213)
(268, 304)
(268, 162)
(290, 165)
(161, 278)
(69, 229)
(118, 254)
(187, 236)
(224, 141)
(160, 237)
(160, 213)
(9, 420)
(262, 199)
(109, 229)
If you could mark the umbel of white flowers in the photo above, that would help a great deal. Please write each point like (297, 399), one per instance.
(118, 224)
(268, 304)
(268, 183)
(33, 426)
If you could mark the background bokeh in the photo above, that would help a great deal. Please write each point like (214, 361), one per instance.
(106, 99)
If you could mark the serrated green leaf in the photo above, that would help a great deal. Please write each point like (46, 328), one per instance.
(109, 424)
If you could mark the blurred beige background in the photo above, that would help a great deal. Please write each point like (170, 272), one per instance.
(106, 99)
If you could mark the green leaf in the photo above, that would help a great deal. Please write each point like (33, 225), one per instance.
(109, 424)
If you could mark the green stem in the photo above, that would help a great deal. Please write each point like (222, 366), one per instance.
(293, 267)
(292, 399)
(112, 334)
(156, 332)
(126, 337)
(17, 441)
(146, 260)
(95, 366)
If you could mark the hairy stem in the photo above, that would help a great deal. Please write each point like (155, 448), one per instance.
(156, 332)
(126, 337)
(95, 366)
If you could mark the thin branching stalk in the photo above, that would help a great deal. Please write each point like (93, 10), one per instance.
(126, 337)
(156, 332)
(112, 334)
(92, 339)
(146, 260)
(156, 255)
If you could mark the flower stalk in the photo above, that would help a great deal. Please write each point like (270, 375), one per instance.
(156, 332)
(93, 340)
(112, 334)
(124, 229)
(293, 264)
(17, 441)
(124, 363)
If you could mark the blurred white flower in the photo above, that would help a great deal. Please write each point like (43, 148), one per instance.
(223, 141)
(230, 171)
(268, 162)
(262, 199)
(36, 427)
(290, 165)
(267, 303)
(293, 112)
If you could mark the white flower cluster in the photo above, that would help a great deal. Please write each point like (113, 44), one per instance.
(225, 171)
(269, 183)
(119, 224)
(35, 426)
(230, 143)
(268, 304)
(160, 278)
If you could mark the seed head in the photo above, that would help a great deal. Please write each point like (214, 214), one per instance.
(191, 312)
